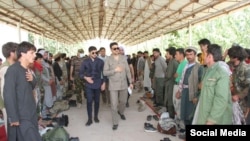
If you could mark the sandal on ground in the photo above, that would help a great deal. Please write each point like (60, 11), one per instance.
(149, 118)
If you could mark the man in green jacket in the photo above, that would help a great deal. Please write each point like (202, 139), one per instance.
(215, 103)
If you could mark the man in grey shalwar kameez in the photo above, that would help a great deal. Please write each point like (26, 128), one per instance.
(170, 81)
(19, 100)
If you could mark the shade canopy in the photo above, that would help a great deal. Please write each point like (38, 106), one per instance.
(129, 22)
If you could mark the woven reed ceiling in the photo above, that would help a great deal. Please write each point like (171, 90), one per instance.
(126, 21)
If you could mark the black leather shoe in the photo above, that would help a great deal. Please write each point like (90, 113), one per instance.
(127, 104)
(115, 127)
(89, 122)
(122, 116)
(96, 120)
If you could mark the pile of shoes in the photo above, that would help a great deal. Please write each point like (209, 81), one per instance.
(62, 120)
(148, 127)
(155, 117)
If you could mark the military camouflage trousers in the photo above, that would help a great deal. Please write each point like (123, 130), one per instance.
(79, 88)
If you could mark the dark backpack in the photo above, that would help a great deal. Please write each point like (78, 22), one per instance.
(61, 121)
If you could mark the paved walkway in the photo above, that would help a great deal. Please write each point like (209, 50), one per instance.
(132, 129)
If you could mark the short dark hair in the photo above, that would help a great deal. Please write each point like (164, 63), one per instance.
(181, 51)
(91, 48)
(63, 55)
(139, 52)
(102, 48)
(38, 56)
(156, 49)
(216, 51)
(112, 44)
(237, 52)
(248, 52)
(199, 54)
(204, 42)
(190, 50)
(24, 47)
(8, 48)
(145, 52)
(171, 51)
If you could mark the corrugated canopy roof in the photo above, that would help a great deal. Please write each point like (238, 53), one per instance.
(127, 21)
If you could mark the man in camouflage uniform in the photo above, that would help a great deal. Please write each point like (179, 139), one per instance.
(240, 76)
(74, 76)
(63, 66)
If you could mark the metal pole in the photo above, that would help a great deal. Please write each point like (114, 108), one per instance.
(18, 32)
(190, 34)
(42, 40)
(57, 46)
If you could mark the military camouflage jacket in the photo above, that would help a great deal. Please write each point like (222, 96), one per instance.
(241, 79)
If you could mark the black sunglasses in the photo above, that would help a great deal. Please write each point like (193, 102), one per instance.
(116, 48)
(94, 53)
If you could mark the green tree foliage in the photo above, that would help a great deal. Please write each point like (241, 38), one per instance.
(224, 30)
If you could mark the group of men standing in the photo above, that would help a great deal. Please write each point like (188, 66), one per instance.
(192, 92)
(106, 75)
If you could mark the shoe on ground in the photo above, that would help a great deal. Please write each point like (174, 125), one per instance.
(150, 129)
(166, 139)
(96, 120)
(115, 127)
(127, 104)
(122, 116)
(182, 136)
(182, 130)
(147, 125)
(89, 122)
(149, 117)
(156, 117)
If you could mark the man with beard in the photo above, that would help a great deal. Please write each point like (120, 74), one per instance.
(215, 104)
(122, 52)
(18, 96)
(170, 81)
(8, 50)
(74, 76)
(117, 70)
(159, 77)
(188, 86)
(240, 76)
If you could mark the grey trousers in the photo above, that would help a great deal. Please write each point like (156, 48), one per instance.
(105, 94)
(118, 100)
(159, 90)
(168, 99)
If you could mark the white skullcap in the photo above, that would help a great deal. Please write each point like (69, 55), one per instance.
(42, 52)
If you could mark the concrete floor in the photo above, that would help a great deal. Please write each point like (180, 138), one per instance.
(132, 129)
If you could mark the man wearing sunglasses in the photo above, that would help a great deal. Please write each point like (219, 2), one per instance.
(91, 71)
(117, 70)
